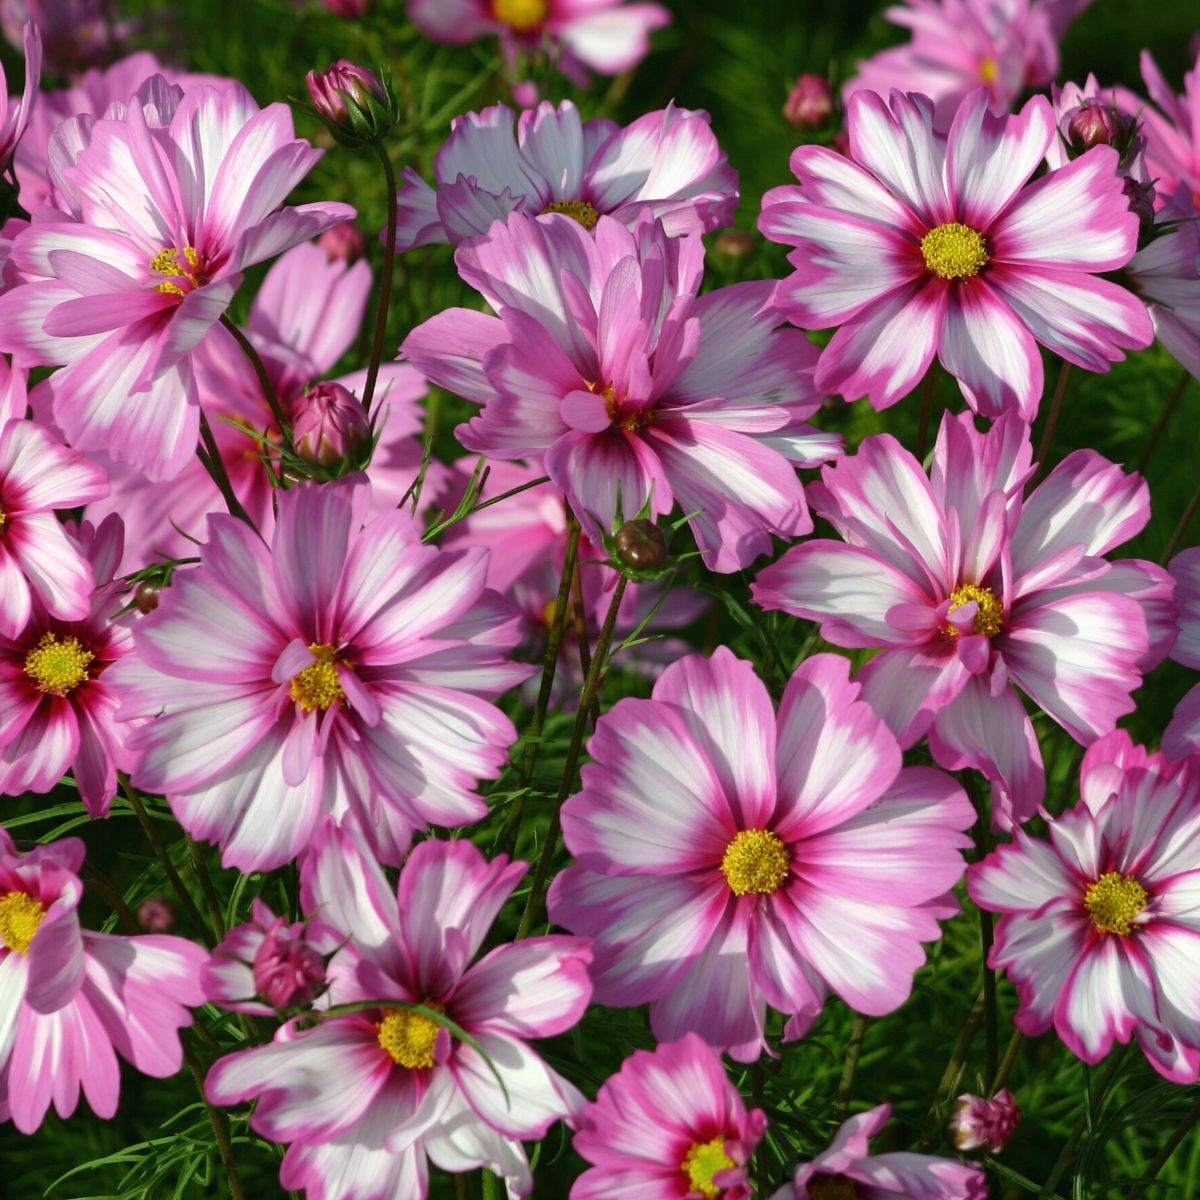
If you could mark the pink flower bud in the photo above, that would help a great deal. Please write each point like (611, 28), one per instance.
(155, 915)
(1095, 123)
(343, 243)
(810, 102)
(288, 972)
(352, 102)
(525, 93)
(352, 9)
(330, 424)
(979, 1124)
(1140, 197)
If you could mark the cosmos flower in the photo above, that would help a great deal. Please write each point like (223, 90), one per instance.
(1170, 126)
(729, 858)
(668, 1126)
(635, 390)
(922, 244)
(1182, 735)
(72, 1000)
(666, 162)
(15, 114)
(982, 1123)
(366, 1097)
(1099, 926)
(347, 669)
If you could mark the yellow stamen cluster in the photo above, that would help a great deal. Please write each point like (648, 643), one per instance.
(578, 210)
(521, 15)
(409, 1037)
(20, 916)
(318, 686)
(755, 861)
(1113, 901)
(953, 251)
(702, 1162)
(988, 70)
(989, 613)
(166, 262)
(58, 667)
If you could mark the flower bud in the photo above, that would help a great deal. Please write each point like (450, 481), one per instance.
(525, 93)
(734, 243)
(352, 102)
(979, 1124)
(1095, 123)
(640, 545)
(1140, 197)
(810, 102)
(146, 596)
(351, 9)
(288, 972)
(330, 424)
(155, 915)
(343, 243)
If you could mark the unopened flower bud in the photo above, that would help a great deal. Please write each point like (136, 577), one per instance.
(1140, 197)
(146, 596)
(979, 1124)
(641, 545)
(288, 972)
(348, 8)
(734, 243)
(1095, 123)
(525, 93)
(330, 424)
(810, 102)
(155, 915)
(353, 102)
(343, 243)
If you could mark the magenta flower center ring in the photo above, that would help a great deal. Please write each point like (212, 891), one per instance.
(521, 15)
(180, 274)
(317, 686)
(20, 916)
(409, 1037)
(954, 251)
(58, 667)
(989, 612)
(756, 861)
(1113, 901)
(702, 1162)
(577, 210)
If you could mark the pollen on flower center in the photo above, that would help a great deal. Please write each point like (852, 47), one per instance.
(521, 15)
(989, 613)
(578, 210)
(318, 686)
(1113, 901)
(179, 277)
(58, 667)
(988, 70)
(702, 1162)
(953, 251)
(755, 861)
(20, 916)
(409, 1037)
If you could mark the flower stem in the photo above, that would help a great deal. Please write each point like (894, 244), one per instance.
(385, 281)
(217, 1120)
(1164, 417)
(591, 685)
(214, 464)
(924, 413)
(491, 1185)
(264, 380)
(507, 840)
(1006, 1063)
(1043, 450)
(1168, 1148)
(854, 1047)
(990, 1032)
(206, 886)
(1182, 528)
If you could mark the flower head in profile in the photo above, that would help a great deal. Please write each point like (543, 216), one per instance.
(15, 114)
(347, 668)
(438, 1067)
(731, 858)
(167, 202)
(1171, 127)
(983, 1123)
(635, 391)
(90, 996)
(668, 1126)
(1099, 926)
(666, 162)
(973, 592)
(1182, 735)
(848, 1168)
(924, 244)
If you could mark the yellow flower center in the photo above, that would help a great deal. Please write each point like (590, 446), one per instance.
(578, 210)
(521, 15)
(755, 861)
(318, 686)
(988, 70)
(58, 667)
(178, 277)
(409, 1037)
(20, 916)
(989, 613)
(1113, 901)
(954, 250)
(702, 1162)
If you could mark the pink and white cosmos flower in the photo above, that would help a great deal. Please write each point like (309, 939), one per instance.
(15, 114)
(1171, 130)
(728, 858)
(169, 203)
(637, 391)
(969, 589)
(72, 1000)
(668, 1126)
(848, 1167)
(367, 1097)
(922, 243)
(607, 36)
(57, 706)
(346, 669)
(666, 162)
(1182, 735)
(1099, 927)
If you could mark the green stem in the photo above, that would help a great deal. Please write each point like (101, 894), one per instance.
(954, 1068)
(491, 1185)
(591, 685)
(1006, 1063)
(206, 886)
(442, 526)
(214, 464)
(217, 1120)
(858, 1033)
(990, 1026)
(385, 282)
(924, 413)
(1168, 1148)
(264, 380)
(1043, 450)
(1164, 418)
(1182, 528)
